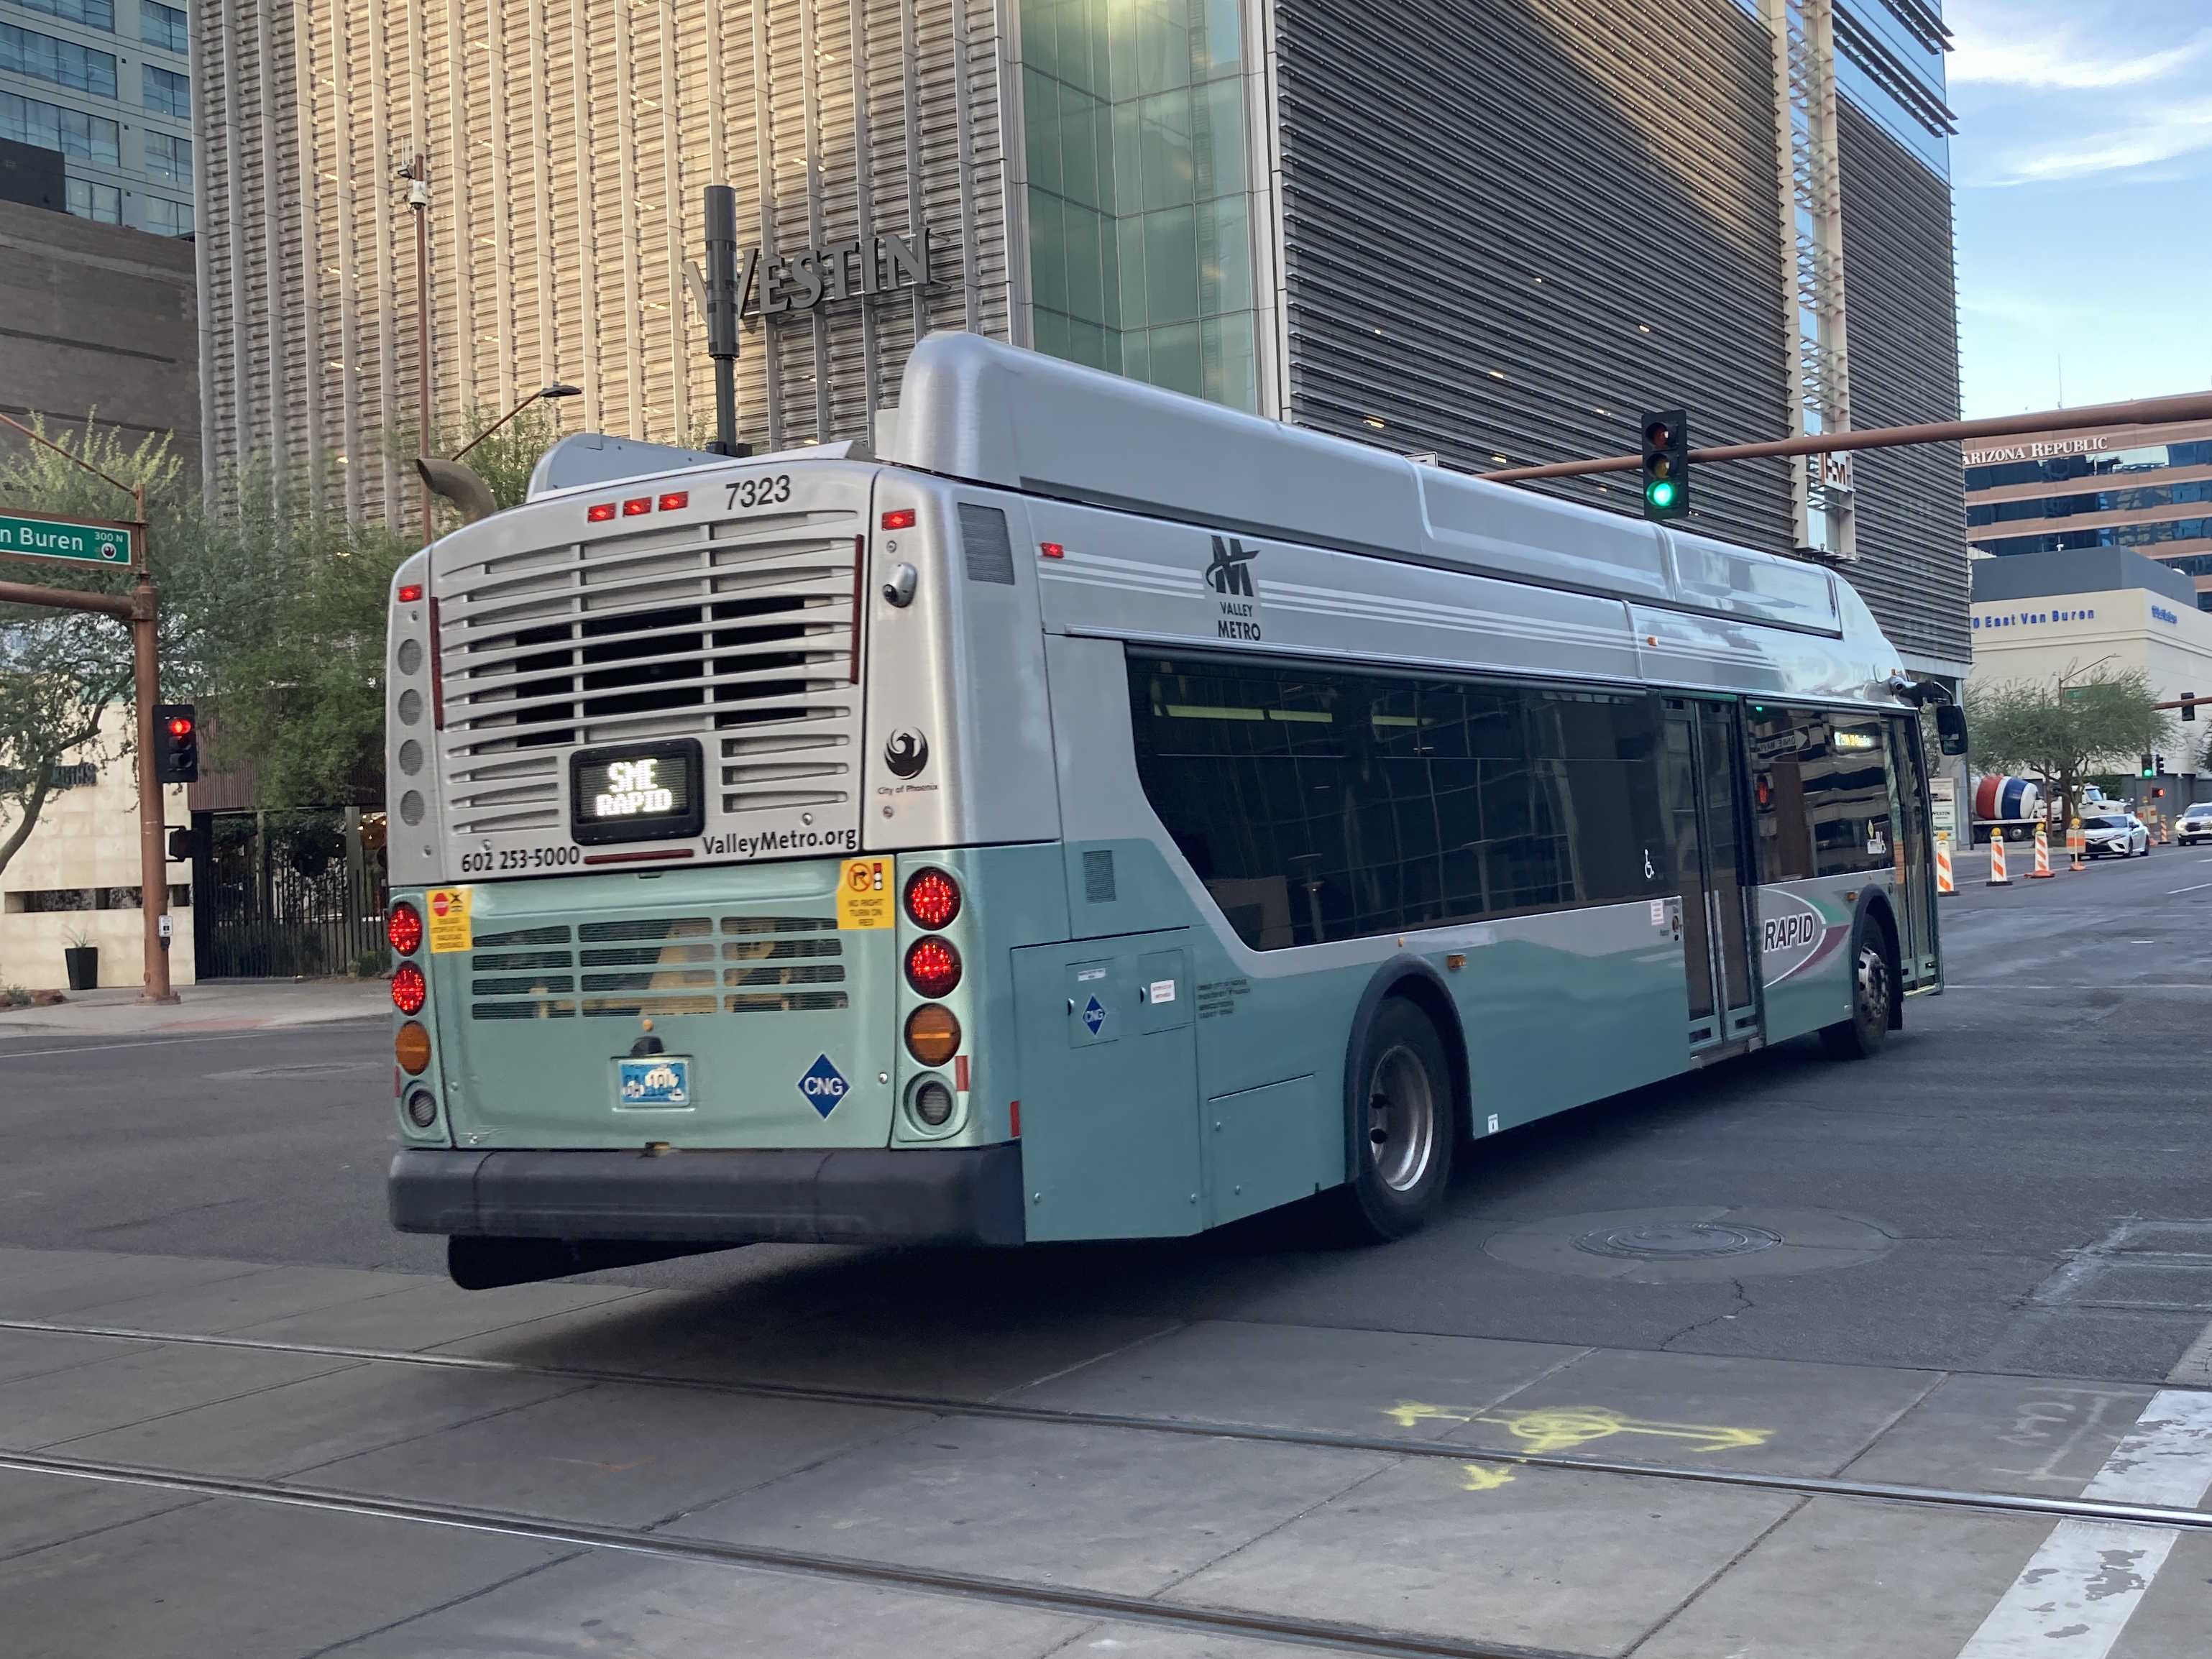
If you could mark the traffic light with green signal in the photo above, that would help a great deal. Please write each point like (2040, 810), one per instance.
(2149, 771)
(1666, 449)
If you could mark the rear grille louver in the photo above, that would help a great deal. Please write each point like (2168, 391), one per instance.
(739, 634)
(657, 966)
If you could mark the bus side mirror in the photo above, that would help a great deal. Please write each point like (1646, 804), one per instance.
(1951, 728)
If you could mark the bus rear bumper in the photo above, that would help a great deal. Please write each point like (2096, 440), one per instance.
(874, 1196)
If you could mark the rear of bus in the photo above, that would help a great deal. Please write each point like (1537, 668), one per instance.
(711, 792)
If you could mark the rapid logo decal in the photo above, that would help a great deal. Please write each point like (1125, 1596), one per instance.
(823, 1086)
(1229, 575)
(1794, 933)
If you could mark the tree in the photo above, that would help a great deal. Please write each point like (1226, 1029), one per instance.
(62, 672)
(2062, 732)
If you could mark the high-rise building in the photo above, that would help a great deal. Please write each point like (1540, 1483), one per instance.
(1487, 231)
(2149, 487)
(108, 84)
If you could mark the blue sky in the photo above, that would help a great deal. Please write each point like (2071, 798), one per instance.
(2083, 179)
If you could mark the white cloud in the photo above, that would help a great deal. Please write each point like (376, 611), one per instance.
(2010, 45)
(2156, 135)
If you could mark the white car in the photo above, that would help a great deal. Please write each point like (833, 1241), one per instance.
(2120, 834)
(2195, 825)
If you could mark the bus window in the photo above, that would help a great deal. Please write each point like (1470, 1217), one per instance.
(1820, 794)
(1318, 805)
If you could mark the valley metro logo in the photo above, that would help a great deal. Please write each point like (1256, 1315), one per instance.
(1231, 573)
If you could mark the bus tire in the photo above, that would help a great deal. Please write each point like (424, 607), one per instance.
(1400, 1123)
(1873, 993)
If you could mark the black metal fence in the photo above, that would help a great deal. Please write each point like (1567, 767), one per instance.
(287, 894)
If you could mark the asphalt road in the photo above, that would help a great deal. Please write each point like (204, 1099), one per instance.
(1980, 1191)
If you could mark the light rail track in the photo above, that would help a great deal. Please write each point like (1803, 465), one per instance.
(1810, 1486)
(674, 1546)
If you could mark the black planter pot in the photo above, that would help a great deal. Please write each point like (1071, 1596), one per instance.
(84, 961)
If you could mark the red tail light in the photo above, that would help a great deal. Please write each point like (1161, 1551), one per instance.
(933, 899)
(1052, 550)
(933, 967)
(410, 990)
(409, 592)
(903, 518)
(403, 928)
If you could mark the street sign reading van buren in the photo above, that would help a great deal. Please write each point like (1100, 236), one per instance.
(85, 541)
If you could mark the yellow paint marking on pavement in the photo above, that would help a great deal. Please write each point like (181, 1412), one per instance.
(1480, 1476)
(1564, 1428)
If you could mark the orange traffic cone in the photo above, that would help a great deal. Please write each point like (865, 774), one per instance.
(1944, 885)
(1997, 877)
(2077, 845)
(2042, 870)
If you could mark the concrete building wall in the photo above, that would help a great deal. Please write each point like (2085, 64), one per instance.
(567, 144)
(86, 845)
(101, 318)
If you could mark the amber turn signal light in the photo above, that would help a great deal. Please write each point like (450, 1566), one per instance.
(410, 1046)
(933, 1034)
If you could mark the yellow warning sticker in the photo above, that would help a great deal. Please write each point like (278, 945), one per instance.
(449, 919)
(864, 894)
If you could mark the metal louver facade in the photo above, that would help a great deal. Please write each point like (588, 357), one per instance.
(1911, 569)
(567, 143)
(1507, 230)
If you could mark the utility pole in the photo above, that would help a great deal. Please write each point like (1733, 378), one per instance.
(91, 542)
(418, 199)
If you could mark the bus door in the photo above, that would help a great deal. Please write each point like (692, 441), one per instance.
(1701, 781)
(1915, 852)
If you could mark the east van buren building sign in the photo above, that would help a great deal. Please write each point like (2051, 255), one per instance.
(855, 270)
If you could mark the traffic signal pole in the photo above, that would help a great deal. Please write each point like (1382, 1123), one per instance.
(136, 609)
(146, 683)
(2141, 411)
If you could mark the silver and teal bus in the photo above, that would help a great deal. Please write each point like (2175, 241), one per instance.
(1097, 815)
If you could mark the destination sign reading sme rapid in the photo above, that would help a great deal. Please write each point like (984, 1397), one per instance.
(640, 791)
(633, 787)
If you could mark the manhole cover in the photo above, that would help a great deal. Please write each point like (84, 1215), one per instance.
(1686, 1244)
(1677, 1241)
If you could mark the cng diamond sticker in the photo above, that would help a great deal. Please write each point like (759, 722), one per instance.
(1094, 1015)
(823, 1086)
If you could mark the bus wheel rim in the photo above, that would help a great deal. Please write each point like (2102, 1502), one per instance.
(1872, 986)
(1401, 1118)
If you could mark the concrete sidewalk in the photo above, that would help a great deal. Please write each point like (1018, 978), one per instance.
(220, 1005)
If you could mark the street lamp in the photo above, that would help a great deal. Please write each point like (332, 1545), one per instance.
(551, 389)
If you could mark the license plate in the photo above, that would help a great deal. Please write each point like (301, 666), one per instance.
(662, 1080)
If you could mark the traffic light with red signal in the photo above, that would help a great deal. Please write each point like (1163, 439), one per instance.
(176, 742)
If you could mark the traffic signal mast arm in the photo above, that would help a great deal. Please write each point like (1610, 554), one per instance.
(2142, 411)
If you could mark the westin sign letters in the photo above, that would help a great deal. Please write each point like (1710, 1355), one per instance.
(859, 269)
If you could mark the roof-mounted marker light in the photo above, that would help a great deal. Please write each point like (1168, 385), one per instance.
(903, 519)
(409, 592)
(637, 506)
(598, 512)
(1052, 550)
(675, 501)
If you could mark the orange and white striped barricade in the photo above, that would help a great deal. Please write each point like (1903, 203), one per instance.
(1997, 877)
(1945, 886)
(2042, 870)
(2077, 846)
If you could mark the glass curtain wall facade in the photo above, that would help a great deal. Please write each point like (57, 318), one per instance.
(1138, 205)
(108, 84)
(2106, 489)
